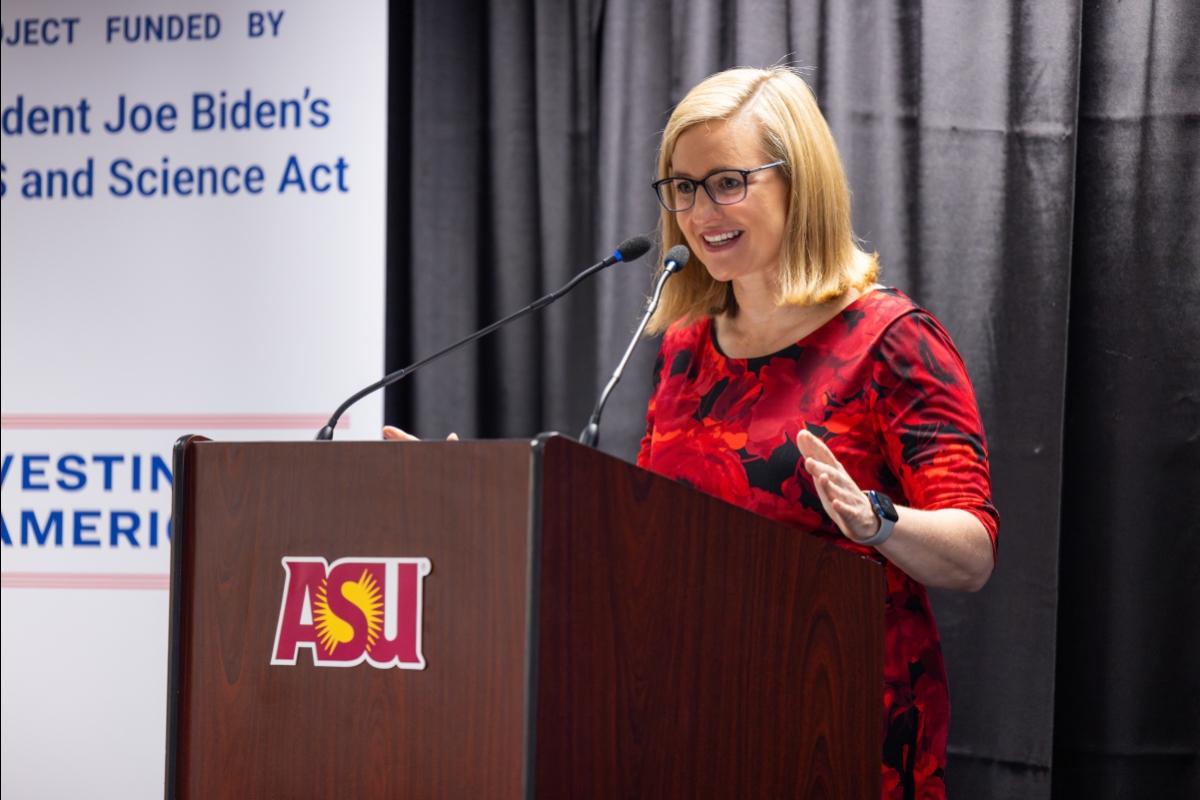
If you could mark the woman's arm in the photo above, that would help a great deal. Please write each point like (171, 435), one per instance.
(947, 549)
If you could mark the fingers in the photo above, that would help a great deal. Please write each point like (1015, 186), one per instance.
(842, 487)
(818, 468)
(825, 492)
(840, 496)
(812, 447)
(836, 474)
(834, 494)
(804, 440)
(837, 489)
(819, 460)
(394, 434)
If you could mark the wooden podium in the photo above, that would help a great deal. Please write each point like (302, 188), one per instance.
(583, 629)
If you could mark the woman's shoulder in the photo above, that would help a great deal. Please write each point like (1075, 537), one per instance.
(886, 326)
(909, 340)
(887, 314)
(861, 325)
(900, 313)
(884, 305)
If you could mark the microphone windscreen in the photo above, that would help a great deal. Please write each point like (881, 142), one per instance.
(680, 255)
(635, 247)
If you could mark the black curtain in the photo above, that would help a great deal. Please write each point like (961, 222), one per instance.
(1127, 721)
(1015, 179)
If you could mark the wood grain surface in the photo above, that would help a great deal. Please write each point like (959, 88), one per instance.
(689, 649)
(247, 729)
(684, 648)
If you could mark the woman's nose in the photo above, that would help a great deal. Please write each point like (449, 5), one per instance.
(704, 208)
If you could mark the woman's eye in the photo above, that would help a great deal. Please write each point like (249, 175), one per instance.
(729, 184)
(685, 187)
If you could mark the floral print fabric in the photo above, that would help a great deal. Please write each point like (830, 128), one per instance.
(884, 387)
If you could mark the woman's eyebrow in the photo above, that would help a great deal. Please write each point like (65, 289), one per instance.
(711, 172)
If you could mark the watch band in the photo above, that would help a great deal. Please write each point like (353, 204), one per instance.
(885, 525)
(885, 531)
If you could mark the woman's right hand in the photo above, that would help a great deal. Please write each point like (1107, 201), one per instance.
(396, 435)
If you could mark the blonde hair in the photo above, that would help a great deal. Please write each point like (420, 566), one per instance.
(820, 258)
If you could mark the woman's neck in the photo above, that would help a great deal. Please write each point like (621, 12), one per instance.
(762, 327)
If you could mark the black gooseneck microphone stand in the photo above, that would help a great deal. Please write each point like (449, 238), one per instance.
(677, 258)
(630, 250)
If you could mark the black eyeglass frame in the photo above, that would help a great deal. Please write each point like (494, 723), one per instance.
(745, 173)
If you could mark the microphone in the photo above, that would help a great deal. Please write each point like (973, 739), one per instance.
(677, 258)
(630, 250)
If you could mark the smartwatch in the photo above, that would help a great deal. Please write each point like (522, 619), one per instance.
(882, 505)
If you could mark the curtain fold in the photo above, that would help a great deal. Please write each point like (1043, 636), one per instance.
(449, 102)
(1127, 720)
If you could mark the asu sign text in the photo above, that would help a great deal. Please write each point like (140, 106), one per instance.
(351, 611)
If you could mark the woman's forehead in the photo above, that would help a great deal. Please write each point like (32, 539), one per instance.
(719, 144)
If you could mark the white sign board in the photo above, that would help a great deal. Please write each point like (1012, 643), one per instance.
(192, 242)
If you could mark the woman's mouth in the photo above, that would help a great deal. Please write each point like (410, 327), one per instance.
(720, 241)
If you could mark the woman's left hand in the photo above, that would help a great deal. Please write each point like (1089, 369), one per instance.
(844, 502)
(947, 548)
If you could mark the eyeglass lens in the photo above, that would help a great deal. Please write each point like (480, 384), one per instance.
(725, 188)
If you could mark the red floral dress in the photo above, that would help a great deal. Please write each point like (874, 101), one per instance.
(884, 387)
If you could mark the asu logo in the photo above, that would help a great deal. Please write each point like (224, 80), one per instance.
(353, 610)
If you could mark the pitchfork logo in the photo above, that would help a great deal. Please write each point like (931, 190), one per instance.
(353, 610)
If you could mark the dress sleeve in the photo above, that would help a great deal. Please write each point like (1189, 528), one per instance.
(643, 459)
(926, 414)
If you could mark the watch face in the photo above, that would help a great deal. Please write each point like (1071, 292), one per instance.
(885, 506)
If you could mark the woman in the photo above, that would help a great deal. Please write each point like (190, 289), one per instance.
(791, 384)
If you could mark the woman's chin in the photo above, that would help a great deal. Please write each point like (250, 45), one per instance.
(721, 271)
(720, 278)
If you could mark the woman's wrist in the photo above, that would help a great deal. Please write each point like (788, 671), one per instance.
(884, 516)
(883, 532)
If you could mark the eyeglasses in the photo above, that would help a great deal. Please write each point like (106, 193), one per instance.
(725, 187)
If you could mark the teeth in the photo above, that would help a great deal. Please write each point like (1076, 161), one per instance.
(721, 238)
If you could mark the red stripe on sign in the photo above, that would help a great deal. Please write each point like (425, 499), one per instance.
(82, 580)
(225, 422)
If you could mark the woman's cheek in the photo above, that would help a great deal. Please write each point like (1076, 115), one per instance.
(685, 225)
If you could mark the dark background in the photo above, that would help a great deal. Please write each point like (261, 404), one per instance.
(1028, 170)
